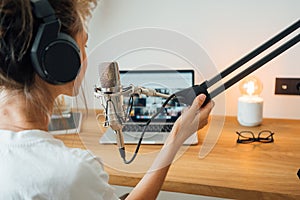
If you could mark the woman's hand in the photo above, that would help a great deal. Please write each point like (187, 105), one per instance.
(192, 119)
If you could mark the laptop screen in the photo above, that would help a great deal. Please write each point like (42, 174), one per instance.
(163, 81)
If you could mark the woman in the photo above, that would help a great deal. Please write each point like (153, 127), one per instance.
(33, 164)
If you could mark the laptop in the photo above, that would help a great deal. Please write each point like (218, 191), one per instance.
(163, 81)
(69, 123)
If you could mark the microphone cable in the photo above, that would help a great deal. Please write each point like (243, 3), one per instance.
(120, 119)
(122, 150)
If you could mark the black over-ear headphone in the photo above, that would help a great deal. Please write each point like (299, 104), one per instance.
(55, 56)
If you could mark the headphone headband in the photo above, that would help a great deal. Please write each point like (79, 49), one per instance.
(43, 10)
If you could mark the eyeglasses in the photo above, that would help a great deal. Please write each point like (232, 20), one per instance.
(264, 136)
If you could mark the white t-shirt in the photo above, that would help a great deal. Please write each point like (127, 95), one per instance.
(34, 165)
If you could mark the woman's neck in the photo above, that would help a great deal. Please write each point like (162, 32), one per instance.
(18, 114)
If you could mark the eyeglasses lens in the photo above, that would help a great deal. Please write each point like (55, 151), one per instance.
(265, 136)
(246, 137)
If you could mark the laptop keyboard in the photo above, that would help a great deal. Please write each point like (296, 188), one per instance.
(150, 128)
(155, 134)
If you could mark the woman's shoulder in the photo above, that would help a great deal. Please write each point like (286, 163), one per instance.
(85, 155)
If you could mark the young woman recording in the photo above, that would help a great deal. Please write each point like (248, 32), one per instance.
(42, 55)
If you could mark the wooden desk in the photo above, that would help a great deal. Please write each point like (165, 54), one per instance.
(230, 170)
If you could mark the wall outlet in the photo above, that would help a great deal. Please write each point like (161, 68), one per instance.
(287, 86)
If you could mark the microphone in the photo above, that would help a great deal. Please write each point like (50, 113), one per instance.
(111, 90)
(111, 93)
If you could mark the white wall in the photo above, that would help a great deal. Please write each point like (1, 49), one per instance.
(225, 29)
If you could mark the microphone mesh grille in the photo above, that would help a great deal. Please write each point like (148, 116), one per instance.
(109, 74)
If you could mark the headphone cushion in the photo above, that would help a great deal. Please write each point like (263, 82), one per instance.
(61, 60)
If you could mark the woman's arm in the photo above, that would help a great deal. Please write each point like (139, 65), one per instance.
(193, 119)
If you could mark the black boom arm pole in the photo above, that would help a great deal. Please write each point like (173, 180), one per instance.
(187, 95)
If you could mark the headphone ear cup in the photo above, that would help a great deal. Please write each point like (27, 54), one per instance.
(55, 56)
(61, 60)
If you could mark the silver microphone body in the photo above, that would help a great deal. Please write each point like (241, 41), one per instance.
(112, 93)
